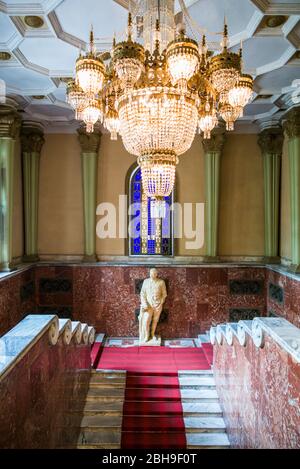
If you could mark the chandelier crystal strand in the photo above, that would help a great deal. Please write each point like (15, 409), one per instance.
(76, 98)
(92, 113)
(230, 115)
(241, 94)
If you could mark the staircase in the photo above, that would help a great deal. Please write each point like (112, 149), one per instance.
(170, 411)
(99, 424)
(204, 424)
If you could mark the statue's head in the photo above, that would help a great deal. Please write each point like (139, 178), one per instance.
(153, 273)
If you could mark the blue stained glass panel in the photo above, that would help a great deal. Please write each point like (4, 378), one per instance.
(136, 196)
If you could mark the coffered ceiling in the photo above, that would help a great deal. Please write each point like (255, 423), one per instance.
(40, 40)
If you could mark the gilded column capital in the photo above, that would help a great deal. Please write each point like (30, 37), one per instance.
(10, 122)
(215, 143)
(32, 140)
(89, 143)
(292, 123)
(271, 141)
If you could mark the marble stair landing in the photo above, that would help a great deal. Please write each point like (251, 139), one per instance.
(125, 342)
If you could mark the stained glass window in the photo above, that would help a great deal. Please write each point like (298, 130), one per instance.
(148, 236)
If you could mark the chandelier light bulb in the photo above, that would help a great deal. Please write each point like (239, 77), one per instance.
(112, 124)
(90, 70)
(241, 94)
(182, 60)
(91, 114)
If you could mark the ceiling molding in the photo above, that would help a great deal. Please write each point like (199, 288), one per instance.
(270, 8)
(30, 66)
(276, 63)
(61, 34)
(23, 9)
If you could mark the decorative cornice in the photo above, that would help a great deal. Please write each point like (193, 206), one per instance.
(32, 140)
(271, 141)
(89, 143)
(292, 123)
(10, 122)
(215, 144)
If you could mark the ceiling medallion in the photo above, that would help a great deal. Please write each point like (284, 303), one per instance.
(275, 21)
(5, 56)
(157, 96)
(39, 97)
(34, 21)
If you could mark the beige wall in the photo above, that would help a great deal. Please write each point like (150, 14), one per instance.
(241, 229)
(17, 240)
(60, 209)
(285, 225)
(60, 197)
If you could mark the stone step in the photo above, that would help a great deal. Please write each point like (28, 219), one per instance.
(199, 395)
(105, 394)
(102, 439)
(197, 382)
(204, 425)
(100, 446)
(108, 379)
(207, 440)
(109, 372)
(111, 384)
(201, 409)
(195, 374)
(97, 421)
(98, 407)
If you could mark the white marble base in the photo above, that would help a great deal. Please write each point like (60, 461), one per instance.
(154, 342)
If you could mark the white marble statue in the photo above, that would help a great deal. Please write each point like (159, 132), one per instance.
(153, 295)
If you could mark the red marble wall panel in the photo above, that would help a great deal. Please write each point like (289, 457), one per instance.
(17, 298)
(290, 308)
(197, 297)
(105, 296)
(259, 394)
(38, 392)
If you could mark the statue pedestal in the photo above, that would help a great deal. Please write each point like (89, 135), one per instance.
(154, 342)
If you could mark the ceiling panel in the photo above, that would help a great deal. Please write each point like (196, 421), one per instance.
(107, 18)
(53, 55)
(6, 28)
(43, 55)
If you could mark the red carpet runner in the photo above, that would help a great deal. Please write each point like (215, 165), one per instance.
(152, 413)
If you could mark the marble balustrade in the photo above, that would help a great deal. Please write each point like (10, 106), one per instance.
(257, 372)
(45, 363)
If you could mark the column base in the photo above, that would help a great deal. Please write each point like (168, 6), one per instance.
(211, 259)
(91, 258)
(272, 260)
(31, 258)
(295, 268)
(7, 267)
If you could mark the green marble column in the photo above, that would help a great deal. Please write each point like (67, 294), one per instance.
(9, 130)
(212, 156)
(90, 144)
(32, 140)
(292, 128)
(270, 142)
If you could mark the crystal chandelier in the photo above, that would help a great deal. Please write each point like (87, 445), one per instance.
(157, 96)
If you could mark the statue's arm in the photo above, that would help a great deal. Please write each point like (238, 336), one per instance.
(143, 296)
(164, 291)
